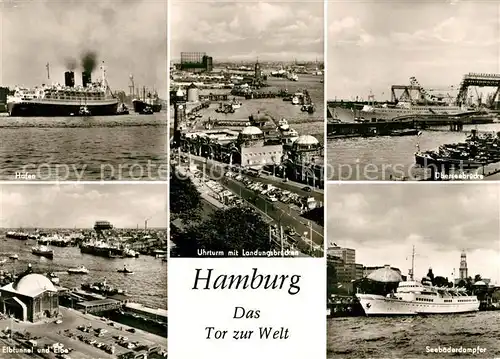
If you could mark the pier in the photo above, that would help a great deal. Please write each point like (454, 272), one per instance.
(99, 305)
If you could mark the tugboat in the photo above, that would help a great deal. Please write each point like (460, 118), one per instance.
(122, 110)
(125, 271)
(79, 270)
(84, 111)
(130, 253)
(148, 110)
(43, 251)
(101, 288)
(53, 278)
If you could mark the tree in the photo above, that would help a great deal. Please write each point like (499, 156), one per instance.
(232, 229)
(477, 278)
(440, 281)
(185, 199)
(430, 275)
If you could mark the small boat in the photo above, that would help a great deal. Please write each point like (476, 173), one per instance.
(2, 261)
(84, 111)
(125, 271)
(235, 105)
(53, 278)
(295, 100)
(42, 251)
(148, 110)
(283, 125)
(407, 132)
(79, 270)
(122, 110)
(14, 257)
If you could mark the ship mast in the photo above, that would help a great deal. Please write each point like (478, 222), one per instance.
(412, 263)
(48, 70)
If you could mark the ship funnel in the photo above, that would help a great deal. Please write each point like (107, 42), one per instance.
(69, 79)
(86, 78)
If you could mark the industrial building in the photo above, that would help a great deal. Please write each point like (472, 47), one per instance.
(196, 62)
(32, 297)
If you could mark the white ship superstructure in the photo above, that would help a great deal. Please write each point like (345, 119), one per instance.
(406, 109)
(413, 298)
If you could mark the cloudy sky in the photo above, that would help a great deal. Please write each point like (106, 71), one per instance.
(80, 205)
(382, 222)
(245, 30)
(375, 44)
(129, 35)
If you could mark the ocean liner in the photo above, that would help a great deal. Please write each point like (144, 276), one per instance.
(90, 99)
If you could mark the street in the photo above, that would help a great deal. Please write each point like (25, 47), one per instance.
(291, 186)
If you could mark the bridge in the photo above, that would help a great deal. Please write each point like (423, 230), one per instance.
(480, 80)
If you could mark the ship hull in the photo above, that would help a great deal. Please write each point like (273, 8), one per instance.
(52, 109)
(49, 255)
(139, 106)
(427, 161)
(102, 252)
(19, 237)
(374, 305)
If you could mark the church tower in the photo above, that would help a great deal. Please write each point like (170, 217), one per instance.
(463, 266)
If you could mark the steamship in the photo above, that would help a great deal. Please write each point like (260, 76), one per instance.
(92, 98)
(149, 100)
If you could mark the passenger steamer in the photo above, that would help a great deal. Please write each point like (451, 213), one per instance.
(407, 109)
(90, 99)
(414, 298)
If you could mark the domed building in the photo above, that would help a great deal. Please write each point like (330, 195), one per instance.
(306, 162)
(31, 297)
(253, 150)
(251, 136)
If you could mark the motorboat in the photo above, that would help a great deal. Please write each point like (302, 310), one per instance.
(53, 278)
(79, 270)
(14, 257)
(125, 271)
(43, 251)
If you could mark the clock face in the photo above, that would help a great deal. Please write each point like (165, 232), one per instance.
(180, 107)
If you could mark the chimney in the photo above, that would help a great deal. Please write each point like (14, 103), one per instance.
(69, 79)
(86, 78)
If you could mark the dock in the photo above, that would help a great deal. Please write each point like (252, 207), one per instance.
(99, 305)
(152, 313)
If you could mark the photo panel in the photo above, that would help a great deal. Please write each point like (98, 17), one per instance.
(247, 179)
(247, 129)
(83, 90)
(413, 270)
(83, 270)
(413, 90)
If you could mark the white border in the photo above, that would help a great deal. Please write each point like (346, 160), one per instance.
(73, 183)
(325, 139)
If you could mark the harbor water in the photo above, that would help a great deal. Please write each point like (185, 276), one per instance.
(148, 284)
(379, 158)
(413, 337)
(302, 122)
(115, 147)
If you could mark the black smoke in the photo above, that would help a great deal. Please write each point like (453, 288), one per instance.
(89, 61)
